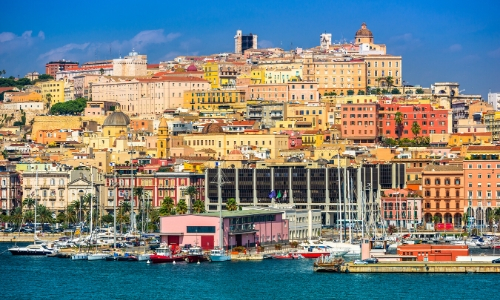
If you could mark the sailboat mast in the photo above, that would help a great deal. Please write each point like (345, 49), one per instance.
(36, 194)
(339, 206)
(350, 217)
(91, 200)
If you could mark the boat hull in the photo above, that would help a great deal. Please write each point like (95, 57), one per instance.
(80, 256)
(218, 258)
(196, 258)
(30, 252)
(98, 256)
(158, 259)
(313, 254)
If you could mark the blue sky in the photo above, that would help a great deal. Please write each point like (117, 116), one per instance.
(439, 40)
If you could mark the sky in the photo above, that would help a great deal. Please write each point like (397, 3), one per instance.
(454, 41)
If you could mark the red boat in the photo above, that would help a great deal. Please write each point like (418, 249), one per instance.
(294, 255)
(164, 255)
(313, 254)
(196, 255)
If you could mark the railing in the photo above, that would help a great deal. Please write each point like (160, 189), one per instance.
(61, 187)
(27, 187)
(44, 187)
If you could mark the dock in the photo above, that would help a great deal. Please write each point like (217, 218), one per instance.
(411, 267)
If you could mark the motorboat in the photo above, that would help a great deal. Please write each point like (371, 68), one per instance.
(219, 255)
(313, 251)
(144, 257)
(196, 255)
(80, 256)
(291, 255)
(35, 249)
(98, 256)
(163, 254)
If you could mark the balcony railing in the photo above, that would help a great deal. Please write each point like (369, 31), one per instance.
(28, 187)
(44, 187)
(61, 187)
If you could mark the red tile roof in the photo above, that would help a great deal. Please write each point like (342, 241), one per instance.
(8, 88)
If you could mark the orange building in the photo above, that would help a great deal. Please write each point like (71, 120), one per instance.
(51, 136)
(426, 252)
(443, 194)
(359, 122)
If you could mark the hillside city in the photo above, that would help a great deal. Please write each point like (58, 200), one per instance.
(330, 134)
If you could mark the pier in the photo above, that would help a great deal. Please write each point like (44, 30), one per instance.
(411, 267)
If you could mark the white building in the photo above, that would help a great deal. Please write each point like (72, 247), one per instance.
(131, 65)
(494, 99)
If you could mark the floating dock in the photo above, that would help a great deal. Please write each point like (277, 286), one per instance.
(411, 267)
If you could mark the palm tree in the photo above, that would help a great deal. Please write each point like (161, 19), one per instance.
(44, 215)
(49, 98)
(199, 206)
(181, 207)
(125, 207)
(122, 217)
(167, 206)
(71, 214)
(435, 220)
(154, 220)
(138, 193)
(231, 204)
(398, 118)
(29, 203)
(415, 129)
(390, 81)
(17, 216)
(29, 216)
(191, 191)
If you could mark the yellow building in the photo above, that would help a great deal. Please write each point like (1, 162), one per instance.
(25, 97)
(222, 143)
(492, 121)
(52, 91)
(163, 148)
(214, 100)
(312, 116)
(312, 138)
(470, 138)
(194, 167)
(282, 72)
(211, 70)
(379, 67)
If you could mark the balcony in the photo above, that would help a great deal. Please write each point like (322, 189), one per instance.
(28, 187)
(44, 187)
(52, 198)
(61, 187)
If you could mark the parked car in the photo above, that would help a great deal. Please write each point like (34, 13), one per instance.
(496, 261)
(10, 229)
(360, 262)
(372, 260)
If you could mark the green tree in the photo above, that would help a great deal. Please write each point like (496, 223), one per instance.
(101, 71)
(107, 219)
(199, 206)
(167, 206)
(61, 217)
(29, 216)
(17, 216)
(181, 207)
(49, 100)
(45, 77)
(44, 215)
(398, 118)
(231, 204)
(419, 91)
(350, 92)
(361, 92)
(415, 129)
(69, 107)
(29, 203)
(389, 81)
(395, 91)
(191, 191)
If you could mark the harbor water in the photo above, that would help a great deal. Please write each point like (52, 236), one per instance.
(31, 277)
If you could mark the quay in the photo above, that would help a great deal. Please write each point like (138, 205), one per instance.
(410, 267)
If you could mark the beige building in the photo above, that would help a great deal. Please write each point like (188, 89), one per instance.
(222, 143)
(146, 96)
(131, 65)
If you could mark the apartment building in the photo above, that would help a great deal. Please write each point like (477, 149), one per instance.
(359, 122)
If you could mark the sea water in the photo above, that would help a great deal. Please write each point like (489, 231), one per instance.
(31, 277)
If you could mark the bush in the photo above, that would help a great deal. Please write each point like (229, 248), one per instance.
(294, 244)
(69, 107)
(277, 247)
(239, 249)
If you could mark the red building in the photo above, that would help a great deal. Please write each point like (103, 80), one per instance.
(426, 252)
(431, 120)
(53, 67)
(359, 122)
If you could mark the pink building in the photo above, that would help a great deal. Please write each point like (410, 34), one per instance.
(303, 90)
(241, 228)
(359, 122)
(402, 208)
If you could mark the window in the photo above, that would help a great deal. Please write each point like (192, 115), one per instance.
(437, 181)
(200, 229)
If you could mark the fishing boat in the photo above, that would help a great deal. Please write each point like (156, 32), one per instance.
(196, 255)
(35, 249)
(219, 255)
(291, 255)
(163, 254)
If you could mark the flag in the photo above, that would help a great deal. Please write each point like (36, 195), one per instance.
(285, 194)
(77, 231)
(272, 194)
(279, 194)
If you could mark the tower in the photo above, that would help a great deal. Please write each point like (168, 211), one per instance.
(325, 41)
(363, 35)
(162, 146)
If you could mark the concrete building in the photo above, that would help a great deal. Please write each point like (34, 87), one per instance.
(10, 189)
(52, 91)
(267, 113)
(492, 122)
(359, 122)
(401, 208)
(243, 42)
(494, 100)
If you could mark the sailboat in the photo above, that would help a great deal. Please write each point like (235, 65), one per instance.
(219, 254)
(35, 249)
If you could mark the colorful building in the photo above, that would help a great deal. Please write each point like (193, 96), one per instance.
(214, 100)
(52, 91)
(359, 122)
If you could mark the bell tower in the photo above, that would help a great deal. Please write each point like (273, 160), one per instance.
(162, 144)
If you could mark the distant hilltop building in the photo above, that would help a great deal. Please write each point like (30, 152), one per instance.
(244, 42)
(325, 41)
(51, 68)
(132, 65)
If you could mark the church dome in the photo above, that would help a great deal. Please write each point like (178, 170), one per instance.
(364, 32)
(192, 68)
(212, 128)
(117, 118)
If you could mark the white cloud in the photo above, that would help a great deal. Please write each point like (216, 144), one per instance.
(495, 53)
(472, 58)
(455, 48)
(405, 42)
(10, 42)
(265, 44)
(91, 50)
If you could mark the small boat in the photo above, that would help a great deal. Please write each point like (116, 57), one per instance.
(291, 255)
(143, 257)
(98, 256)
(219, 255)
(127, 257)
(164, 255)
(80, 256)
(196, 255)
(35, 249)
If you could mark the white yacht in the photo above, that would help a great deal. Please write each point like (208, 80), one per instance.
(35, 249)
(98, 256)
